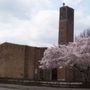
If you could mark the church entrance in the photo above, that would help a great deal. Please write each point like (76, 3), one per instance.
(54, 74)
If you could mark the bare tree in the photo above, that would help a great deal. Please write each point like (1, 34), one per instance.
(85, 33)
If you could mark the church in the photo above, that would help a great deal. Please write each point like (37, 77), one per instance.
(22, 61)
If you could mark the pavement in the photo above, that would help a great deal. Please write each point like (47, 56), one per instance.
(20, 87)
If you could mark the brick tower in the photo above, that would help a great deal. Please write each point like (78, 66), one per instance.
(66, 25)
(66, 33)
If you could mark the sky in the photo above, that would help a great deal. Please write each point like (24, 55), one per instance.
(36, 22)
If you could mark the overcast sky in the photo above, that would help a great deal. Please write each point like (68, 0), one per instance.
(35, 22)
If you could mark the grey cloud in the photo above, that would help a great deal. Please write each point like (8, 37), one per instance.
(22, 9)
(33, 22)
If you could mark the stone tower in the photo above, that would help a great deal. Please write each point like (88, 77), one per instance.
(66, 25)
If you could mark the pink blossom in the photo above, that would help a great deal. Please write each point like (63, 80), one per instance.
(74, 53)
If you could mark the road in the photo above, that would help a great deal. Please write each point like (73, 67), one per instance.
(20, 87)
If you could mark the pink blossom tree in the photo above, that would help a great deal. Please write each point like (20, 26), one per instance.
(76, 54)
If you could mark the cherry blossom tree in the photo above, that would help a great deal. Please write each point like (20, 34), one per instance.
(75, 54)
(81, 57)
(54, 57)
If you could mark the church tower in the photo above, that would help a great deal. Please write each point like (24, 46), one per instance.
(66, 25)
(66, 35)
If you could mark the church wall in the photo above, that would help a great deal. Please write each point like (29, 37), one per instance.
(33, 55)
(19, 61)
(11, 61)
(29, 62)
